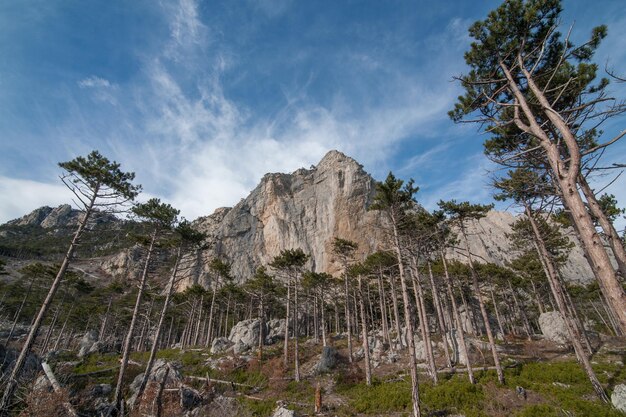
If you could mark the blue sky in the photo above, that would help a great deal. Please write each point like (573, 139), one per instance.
(201, 98)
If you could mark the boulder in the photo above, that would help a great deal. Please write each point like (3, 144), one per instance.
(618, 397)
(157, 374)
(101, 390)
(553, 327)
(189, 398)
(87, 343)
(284, 412)
(276, 330)
(328, 359)
(220, 344)
(245, 335)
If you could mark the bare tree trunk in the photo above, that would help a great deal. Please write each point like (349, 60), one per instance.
(322, 308)
(440, 319)
(418, 293)
(56, 344)
(527, 328)
(295, 331)
(396, 310)
(366, 345)
(155, 343)
(19, 311)
(105, 320)
(457, 319)
(537, 299)
(495, 308)
(286, 342)
(409, 326)
(12, 381)
(383, 308)
(609, 230)
(483, 310)
(556, 288)
(347, 311)
(117, 398)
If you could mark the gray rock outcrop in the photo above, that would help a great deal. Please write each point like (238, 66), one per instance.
(220, 344)
(87, 343)
(328, 359)
(283, 412)
(553, 327)
(618, 397)
(245, 335)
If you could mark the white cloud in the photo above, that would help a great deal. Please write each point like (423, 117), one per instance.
(20, 196)
(94, 82)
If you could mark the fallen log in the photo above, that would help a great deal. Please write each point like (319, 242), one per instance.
(57, 387)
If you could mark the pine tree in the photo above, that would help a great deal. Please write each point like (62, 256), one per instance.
(536, 93)
(394, 198)
(97, 184)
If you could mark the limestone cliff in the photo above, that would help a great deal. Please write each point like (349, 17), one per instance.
(305, 209)
(309, 207)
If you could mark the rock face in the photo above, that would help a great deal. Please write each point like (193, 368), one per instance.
(310, 207)
(618, 397)
(488, 241)
(305, 209)
(59, 217)
(553, 327)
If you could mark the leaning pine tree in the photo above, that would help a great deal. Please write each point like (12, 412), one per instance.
(98, 185)
(535, 93)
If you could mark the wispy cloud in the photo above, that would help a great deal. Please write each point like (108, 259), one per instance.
(94, 82)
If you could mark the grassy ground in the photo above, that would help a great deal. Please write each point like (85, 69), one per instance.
(554, 387)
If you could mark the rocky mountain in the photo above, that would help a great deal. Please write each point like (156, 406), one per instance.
(309, 207)
(305, 209)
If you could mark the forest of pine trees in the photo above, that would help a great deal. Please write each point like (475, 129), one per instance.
(424, 296)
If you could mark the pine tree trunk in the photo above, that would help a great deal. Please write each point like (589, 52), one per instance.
(155, 343)
(457, 319)
(483, 310)
(497, 311)
(440, 319)
(366, 345)
(609, 230)
(409, 326)
(347, 311)
(117, 398)
(383, 308)
(209, 333)
(295, 331)
(396, 310)
(19, 311)
(286, 342)
(557, 291)
(105, 320)
(418, 293)
(322, 308)
(12, 381)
